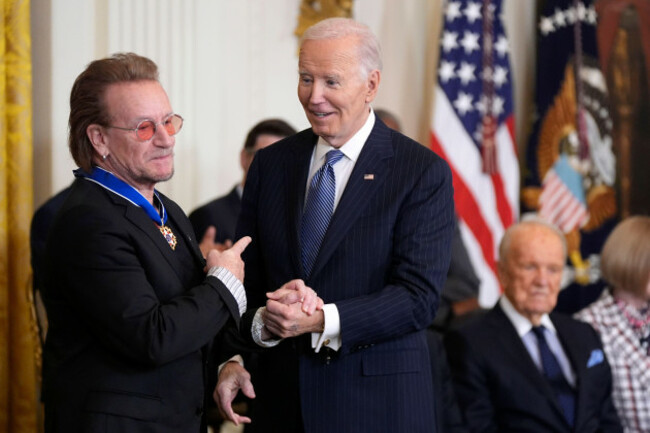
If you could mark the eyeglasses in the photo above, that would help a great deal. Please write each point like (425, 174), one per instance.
(146, 129)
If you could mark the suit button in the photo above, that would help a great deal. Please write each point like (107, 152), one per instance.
(199, 411)
(326, 342)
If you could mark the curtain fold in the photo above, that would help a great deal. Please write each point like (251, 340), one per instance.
(18, 356)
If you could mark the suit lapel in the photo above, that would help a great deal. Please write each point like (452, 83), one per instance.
(297, 169)
(514, 347)
(373, 160)
(185, 229)
(141, 220)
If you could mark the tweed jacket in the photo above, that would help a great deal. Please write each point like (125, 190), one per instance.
(629, 361)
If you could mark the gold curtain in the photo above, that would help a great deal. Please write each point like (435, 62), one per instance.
(313, 11)
(18, 371)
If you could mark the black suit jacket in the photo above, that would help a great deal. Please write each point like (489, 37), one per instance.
(221, 213)
(129, 319)
(462, 283)
(383, 262)
(448, 416)
(500, 389)
(39, 229)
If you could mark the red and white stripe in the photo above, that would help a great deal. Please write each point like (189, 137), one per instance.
(485, 204)
(559, 206)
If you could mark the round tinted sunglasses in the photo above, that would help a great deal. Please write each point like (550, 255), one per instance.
(146, 129)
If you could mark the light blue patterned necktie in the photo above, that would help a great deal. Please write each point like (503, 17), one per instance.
(318, 210)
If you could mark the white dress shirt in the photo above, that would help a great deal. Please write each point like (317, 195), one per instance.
(525, 331)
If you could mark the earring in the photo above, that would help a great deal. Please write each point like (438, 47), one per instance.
(104, 157)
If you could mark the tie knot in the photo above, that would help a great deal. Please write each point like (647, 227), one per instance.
(333, 156)
(539, 331)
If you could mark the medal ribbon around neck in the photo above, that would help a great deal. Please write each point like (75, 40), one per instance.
(108, 181)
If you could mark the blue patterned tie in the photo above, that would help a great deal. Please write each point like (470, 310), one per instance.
(553, 373)
(318, 210)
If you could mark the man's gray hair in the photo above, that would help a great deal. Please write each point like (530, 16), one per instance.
(528, 220)
(335, 28)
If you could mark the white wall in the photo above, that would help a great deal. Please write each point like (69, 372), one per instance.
(228, 64)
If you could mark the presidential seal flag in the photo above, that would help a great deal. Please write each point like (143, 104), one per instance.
(472, 127)
(570, 167)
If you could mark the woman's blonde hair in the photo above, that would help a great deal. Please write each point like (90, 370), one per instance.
(625, 259)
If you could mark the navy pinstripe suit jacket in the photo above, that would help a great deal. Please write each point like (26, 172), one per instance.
(383, 262)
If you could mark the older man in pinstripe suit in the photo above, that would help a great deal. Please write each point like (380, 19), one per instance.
(361, 362)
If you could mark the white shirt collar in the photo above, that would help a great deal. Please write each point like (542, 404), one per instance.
(352, 148)
(522, 324)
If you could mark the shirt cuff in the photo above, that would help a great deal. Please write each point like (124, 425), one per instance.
(331, 335)
(234, 286)
(236, 358)
(256, 330)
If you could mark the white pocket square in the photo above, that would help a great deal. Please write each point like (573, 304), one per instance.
(595, 358)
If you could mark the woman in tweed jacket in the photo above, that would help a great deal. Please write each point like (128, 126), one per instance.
(622, 318)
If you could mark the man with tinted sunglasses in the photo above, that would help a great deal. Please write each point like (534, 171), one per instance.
(132, 304)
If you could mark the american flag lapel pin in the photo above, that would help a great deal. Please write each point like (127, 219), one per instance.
(368, 176)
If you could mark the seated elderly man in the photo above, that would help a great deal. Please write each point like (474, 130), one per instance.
(522, 368)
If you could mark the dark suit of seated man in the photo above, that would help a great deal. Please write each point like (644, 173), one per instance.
(521, 368)
(222, 212)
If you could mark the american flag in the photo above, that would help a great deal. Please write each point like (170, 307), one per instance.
(473, 129)
(570, 165)
(562, 201)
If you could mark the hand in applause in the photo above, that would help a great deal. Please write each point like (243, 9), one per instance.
(208, 243)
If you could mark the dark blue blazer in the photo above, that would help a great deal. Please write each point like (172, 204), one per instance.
(221, 213)
(383, 262)
(500, 389)
(130, 320)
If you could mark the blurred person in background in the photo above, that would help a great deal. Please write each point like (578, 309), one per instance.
(521, 367)
(215, 222)
(622, 318)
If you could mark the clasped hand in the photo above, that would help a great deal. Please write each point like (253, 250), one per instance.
(292, 310)
(289, 312)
